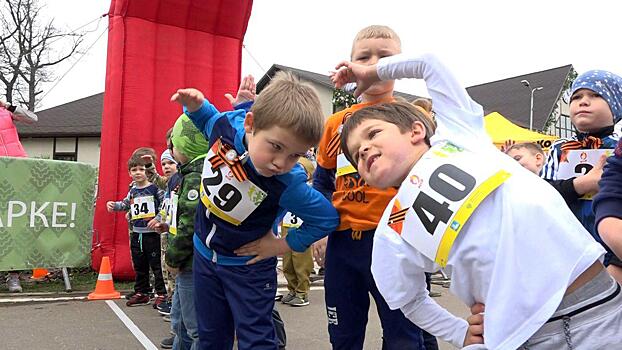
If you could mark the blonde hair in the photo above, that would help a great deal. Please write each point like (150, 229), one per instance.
(291, 104)
(376, 32)
(532, 147)
(425, 106)
(402, 114)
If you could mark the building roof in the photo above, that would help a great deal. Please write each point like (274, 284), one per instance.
(512, 99)
(81, 117)
(509, 97)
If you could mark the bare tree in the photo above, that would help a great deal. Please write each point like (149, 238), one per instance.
(11, 56)
(29, 50)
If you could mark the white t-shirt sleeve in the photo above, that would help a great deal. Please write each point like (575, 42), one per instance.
(459, 118)
(398, 270)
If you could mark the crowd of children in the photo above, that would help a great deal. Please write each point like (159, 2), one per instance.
(399, 191)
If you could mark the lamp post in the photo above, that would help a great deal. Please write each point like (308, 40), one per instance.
(526, 84)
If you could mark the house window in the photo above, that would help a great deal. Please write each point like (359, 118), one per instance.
(65, 148)
(564, 127)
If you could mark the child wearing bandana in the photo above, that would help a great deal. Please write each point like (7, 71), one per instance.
(595, 107)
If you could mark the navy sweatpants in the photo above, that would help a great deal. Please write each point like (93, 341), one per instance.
(236, 299)
(347, 283)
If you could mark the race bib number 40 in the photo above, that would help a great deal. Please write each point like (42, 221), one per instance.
(226, 197)
(143, 208)
(438, 197)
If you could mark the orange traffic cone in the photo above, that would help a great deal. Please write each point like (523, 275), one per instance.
(104, 288)
(38, 274)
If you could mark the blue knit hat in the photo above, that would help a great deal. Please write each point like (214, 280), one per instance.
(607, 85)
(167, 155)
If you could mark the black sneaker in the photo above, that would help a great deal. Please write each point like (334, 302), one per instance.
(167, 343)
(164, 308)
(129, 295)
(138, 299)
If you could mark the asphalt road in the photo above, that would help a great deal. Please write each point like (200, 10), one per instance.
(79, 324)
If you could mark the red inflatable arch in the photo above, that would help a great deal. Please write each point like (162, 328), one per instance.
(154, 48)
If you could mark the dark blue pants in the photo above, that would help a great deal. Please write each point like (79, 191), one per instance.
(236, 299)
(348, 282)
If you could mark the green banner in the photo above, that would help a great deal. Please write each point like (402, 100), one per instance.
(46, 213)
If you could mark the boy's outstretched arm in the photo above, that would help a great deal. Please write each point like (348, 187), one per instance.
(447, 93)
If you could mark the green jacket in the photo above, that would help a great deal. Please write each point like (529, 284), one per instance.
(180, 247)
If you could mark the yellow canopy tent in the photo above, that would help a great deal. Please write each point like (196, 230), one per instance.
(500, 129)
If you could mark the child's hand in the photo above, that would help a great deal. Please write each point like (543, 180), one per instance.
(265, 247)
(172, 270)
(475, 332)
(348, 72)
(152, 224)
(588, 183)
(319, 251)
(191, 98)
(147, 159)
(161, 227)
(506, 145)
(110, 206)
(246, 92)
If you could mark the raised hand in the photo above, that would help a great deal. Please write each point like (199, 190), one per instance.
(348, 72)
(246, 92)
(191, 98)
(506, 145)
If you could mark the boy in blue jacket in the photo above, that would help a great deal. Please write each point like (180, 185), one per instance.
(250, 173)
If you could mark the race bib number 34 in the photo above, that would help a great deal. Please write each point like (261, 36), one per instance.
(225, 196)
(437, 198)
(143, 208)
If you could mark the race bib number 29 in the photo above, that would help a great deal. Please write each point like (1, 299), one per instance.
(225, 196)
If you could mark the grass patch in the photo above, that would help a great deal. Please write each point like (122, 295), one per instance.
(82, 279)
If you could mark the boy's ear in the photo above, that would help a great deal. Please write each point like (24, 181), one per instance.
(248, 122)
(539, 158)
(417, 132)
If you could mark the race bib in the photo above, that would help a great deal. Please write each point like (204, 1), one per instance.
(143, 208)
(291, 220)
(576, 163)
(166, 204)
(439, 195)
(344, 167)
(172, 213)
(226, 197)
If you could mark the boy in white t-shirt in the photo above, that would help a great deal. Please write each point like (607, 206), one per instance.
(506, 237)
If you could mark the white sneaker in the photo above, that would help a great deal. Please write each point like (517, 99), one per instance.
(13, 283)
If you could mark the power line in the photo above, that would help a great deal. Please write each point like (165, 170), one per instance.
(255, 60)
(74, 64)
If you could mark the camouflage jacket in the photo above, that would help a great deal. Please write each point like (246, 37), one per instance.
(180, 247)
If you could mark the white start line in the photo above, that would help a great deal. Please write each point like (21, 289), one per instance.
(142, 338)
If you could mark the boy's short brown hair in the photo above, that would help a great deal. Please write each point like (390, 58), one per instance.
(402, 114)
(134, 161)
(533, 148)
(376, 32)
(291, 104)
